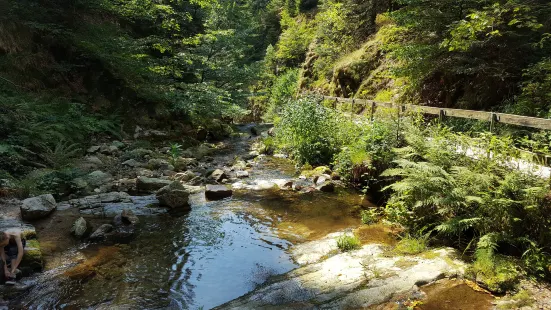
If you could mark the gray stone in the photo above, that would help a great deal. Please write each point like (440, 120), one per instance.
(100, 200)
(98, 178)
(159, 164)
(102, 232)
(327, 186)
(93, 160)
(132, 163)
(93, 149)
(38, 207)
(81, 228)
(185, 176)
(242, 174)
(144, 184)
(251, 155)
(126, 217)
(142, 172)
(174, 196)
(217, 192)
(319, 180)
(218, 175)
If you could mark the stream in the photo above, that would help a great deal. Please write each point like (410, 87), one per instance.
(213, 254)
(262, 247)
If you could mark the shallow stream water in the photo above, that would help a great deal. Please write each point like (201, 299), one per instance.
(213, 254)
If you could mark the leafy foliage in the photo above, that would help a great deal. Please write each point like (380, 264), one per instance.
(311, 132)
(347, 242)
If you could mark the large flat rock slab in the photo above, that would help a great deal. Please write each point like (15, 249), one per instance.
(351, 280)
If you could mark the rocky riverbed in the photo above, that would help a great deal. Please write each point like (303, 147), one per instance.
(218, 225)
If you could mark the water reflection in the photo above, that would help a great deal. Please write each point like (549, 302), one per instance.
(217, 252)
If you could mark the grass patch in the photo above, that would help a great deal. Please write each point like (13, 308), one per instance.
(348, 243)
(521, 299)
(411, 246)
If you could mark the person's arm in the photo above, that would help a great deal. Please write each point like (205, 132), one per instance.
(15, 264)
(3, 256)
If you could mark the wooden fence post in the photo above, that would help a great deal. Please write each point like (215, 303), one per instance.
(493, 120)
(441, 116)
(372, 110)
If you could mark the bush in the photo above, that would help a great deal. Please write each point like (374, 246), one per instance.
(370, 216)
(312, 133)
(348, 243)
(283, 90)
(370, 153)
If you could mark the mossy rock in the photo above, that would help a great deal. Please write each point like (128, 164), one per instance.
(316, 171)
(32, 259)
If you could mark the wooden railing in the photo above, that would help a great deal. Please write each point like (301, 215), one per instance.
(492, 117)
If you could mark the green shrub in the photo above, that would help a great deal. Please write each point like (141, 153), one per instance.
(348, 243)
(175, 152)
(283, 90)
(369, 154)
(312, 133)
(370, 216)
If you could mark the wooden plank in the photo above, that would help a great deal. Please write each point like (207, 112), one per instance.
(526, 121)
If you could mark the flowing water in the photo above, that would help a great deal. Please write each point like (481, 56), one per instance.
(213, 254)
(218, 251)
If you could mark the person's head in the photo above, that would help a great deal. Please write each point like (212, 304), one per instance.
(4, 238)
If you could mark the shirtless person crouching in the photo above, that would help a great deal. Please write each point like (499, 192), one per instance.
(11, 252)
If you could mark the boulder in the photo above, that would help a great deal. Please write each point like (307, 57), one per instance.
(242, 174)
(159, 164)
(143, 172)
(138, 153)
(98, 178)
(174, 196)
(81, 228)
(38, 207)
(251, 155)
(185, 176)
(127, 217)
(217, 192)
(319, 180)
(144, 184)
(132, 163)
(184, 163)
(102, 232)
(93, 160)
(326, 186)
(218, 175)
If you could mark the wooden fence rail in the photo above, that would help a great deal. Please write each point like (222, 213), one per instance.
(511, 119)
